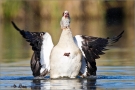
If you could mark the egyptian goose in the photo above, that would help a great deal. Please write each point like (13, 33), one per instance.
(65, 57)
(70, 57)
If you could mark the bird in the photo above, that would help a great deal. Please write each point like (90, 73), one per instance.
(65, 20)
(72, 56)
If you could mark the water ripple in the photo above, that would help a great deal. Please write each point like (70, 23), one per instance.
(115, 77)
(47, 77)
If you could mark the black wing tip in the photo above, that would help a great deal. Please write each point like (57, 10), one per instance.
(120, 35)
(122, 32)
(15, 26)
(115, 38)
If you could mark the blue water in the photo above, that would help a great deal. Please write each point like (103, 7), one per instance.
(119, 77)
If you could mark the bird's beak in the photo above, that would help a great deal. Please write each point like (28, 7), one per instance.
(67, 15)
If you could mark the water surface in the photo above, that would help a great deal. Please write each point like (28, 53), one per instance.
(108, 77)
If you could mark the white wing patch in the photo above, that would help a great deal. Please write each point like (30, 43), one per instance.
(78, 41)
(45, 52)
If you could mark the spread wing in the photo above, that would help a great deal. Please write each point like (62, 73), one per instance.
(35, 39)
(92, 47)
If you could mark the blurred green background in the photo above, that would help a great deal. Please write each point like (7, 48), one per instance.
(88, 17)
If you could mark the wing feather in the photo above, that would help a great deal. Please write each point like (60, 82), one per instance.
(35, 39)
(92, 47)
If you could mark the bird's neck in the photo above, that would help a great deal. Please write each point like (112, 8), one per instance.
(66, 36)
(65, 17)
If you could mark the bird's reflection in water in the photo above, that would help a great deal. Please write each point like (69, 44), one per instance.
(90, 84)
(43, 84)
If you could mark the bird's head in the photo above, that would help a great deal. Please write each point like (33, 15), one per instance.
(66, 14)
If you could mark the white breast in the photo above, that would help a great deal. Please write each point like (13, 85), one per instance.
(65, 66)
